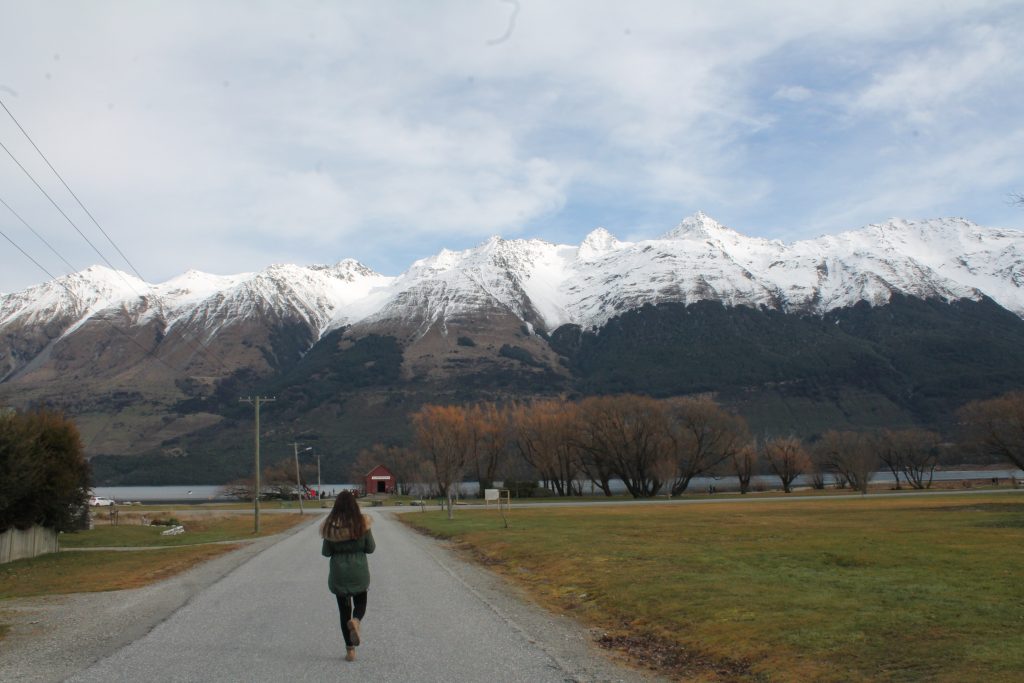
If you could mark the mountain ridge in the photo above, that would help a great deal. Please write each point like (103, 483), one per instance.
(585, 284)
(155, 371)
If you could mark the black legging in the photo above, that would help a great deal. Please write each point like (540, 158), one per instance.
(345, 610)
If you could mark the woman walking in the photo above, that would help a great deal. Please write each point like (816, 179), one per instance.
(347, 541)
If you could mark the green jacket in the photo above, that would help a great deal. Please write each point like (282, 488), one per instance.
(349, 572)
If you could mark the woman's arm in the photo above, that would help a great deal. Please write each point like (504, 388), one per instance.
(325, 550)
(369, 545)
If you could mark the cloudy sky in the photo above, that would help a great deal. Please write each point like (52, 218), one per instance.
(228, 136)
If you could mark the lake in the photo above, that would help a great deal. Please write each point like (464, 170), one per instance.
(207, 494)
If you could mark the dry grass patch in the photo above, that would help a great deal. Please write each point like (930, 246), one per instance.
(882, 588)
(201, 526)
(59, 573)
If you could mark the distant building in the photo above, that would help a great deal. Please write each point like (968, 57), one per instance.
(379, 480)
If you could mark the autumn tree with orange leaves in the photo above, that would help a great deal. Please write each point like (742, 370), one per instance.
(543, 434)
(442, 436)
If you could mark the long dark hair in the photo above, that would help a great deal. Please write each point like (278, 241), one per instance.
(344, 515)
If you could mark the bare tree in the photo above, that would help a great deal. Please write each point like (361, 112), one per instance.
(787, 458)
(890, 452)
(594, 453)
(850, 455)
(441, 435)
(995, 427)
(744, 463)
(701, 435)
(919, 454)
(627, 432)
(542, 434)
(488, 432)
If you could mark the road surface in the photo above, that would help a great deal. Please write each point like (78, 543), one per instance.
(431, 617)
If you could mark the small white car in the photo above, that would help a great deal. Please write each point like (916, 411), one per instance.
(100, 501)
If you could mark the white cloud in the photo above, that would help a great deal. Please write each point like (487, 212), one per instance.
(793, 93)
(944, 80)
(255, 134)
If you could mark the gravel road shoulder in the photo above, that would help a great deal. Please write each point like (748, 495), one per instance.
(572, 645)
(54, 637)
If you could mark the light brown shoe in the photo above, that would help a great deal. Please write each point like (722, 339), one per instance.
(350, 654)
(353, 631)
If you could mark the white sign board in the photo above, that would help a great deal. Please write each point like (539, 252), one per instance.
(490, 494)
(378, 477)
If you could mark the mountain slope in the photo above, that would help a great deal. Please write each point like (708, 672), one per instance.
(856, 328)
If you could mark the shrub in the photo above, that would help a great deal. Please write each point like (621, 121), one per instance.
(44, 476)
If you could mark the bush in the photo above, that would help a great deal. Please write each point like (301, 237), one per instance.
(44, 476)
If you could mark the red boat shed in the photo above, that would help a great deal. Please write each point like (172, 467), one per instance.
(379, 480)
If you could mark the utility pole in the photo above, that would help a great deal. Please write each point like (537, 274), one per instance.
(256, 401)
(319, 486)
(298, 479)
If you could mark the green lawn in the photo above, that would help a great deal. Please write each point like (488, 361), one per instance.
(884, 588)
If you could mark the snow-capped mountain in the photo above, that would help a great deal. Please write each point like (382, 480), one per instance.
(341, 342)
(547, 285)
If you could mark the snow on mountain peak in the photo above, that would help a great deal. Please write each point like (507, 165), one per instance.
(548, 284)
(598, 242)
(698, 226)
(350, 269)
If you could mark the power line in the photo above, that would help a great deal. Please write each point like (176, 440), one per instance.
(60, 281)
(71, 268)
(70, 191)
(196, 346)
(57, 206)
(29, 257)
(123, 333)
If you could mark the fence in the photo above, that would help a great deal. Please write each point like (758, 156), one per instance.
(16, 544)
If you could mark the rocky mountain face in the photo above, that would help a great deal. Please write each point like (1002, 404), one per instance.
(156, 370)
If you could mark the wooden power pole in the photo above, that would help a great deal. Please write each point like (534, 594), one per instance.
(256, 401)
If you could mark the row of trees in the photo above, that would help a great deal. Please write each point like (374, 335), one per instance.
(652, 446)
(660, 446)
(44, 476)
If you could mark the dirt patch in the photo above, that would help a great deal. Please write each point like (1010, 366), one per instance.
(672, 659)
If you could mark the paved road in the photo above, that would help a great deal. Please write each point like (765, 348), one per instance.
(430, 618)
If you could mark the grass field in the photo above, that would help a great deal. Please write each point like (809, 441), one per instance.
(885, 588)
(109, 570)
(201, 526)
(89, 572)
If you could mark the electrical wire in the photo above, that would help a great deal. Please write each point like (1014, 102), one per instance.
(60, 281)
(197, 345)
(42, 239)
(147, 352)
(27, 255)
(70, 191)
(57, 206)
